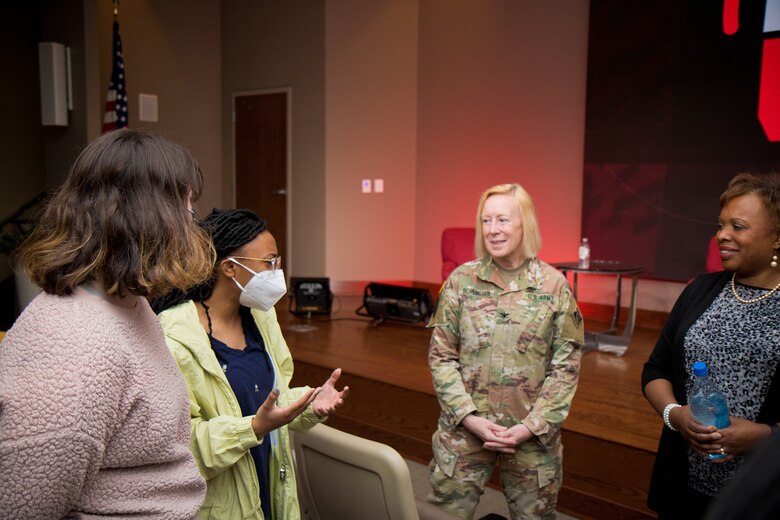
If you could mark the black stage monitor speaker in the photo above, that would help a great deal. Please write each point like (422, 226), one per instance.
(395, 302)
(311, 295)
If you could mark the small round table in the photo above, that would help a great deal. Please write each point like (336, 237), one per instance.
(608, 340)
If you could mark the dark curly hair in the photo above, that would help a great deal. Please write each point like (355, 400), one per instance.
(766, 186)
(230, 230)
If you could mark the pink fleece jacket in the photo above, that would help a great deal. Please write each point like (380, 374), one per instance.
(94, 414)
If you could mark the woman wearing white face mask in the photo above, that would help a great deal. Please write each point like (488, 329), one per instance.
(226, 340)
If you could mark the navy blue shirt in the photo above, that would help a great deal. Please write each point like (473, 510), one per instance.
(251, 376)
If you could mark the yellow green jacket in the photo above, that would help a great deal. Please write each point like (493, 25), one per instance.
(221, 437)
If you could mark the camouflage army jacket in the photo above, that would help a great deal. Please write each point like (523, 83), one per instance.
(509, 352)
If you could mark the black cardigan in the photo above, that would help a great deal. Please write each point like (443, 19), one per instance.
(667, 361)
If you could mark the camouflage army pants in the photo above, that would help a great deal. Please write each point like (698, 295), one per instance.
(460, 469)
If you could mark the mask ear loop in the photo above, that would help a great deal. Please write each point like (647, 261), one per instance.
(242, 265)
(238, 284)
(231, 259)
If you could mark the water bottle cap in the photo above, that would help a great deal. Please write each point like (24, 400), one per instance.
(700, 368)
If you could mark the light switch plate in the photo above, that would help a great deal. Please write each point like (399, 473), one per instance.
(147, 107)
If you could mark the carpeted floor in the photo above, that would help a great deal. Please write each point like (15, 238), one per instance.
(492, 501)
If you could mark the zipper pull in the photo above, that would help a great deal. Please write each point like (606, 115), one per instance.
(282, 473)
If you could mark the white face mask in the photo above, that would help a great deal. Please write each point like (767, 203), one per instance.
(263, 290)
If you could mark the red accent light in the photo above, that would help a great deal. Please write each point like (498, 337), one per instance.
(730, 16)
(769, 90)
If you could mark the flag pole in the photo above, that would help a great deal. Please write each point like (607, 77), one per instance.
(115, 114)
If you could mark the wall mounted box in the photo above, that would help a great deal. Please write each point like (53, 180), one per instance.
(53, 66)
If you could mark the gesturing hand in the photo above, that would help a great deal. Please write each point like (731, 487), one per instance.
(329, 399)
(270, 416)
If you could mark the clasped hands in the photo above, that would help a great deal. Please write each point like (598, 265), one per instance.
(738, 438)
(496, 437)
(324, 400)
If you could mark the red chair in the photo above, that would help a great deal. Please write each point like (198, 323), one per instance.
(713, 257)
(457, 247)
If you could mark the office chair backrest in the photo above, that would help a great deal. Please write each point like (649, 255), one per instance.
(457, 247)
(345, 477)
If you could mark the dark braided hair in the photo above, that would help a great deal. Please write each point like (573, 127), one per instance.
(229, 229)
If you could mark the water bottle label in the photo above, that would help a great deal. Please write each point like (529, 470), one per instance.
(711, 410)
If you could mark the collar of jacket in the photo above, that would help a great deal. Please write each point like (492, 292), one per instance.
(529, 277)
(181, 323)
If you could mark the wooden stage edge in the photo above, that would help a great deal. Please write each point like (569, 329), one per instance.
(609, 438)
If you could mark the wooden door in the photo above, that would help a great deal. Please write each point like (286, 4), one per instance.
(261, 161)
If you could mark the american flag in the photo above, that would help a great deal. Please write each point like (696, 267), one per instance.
(115, 115)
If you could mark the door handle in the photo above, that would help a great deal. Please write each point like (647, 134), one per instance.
(280, 191)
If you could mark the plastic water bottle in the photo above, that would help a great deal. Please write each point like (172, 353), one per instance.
(708, 404)
(584, 254)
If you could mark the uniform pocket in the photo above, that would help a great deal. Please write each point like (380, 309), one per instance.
(540, 467)
(444, 455)
(458, 445)
(476, 325)
(531, 324)
(548, 473)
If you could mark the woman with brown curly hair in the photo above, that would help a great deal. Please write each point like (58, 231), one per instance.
(94, 415)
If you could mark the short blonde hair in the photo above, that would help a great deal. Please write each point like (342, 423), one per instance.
(532, 239)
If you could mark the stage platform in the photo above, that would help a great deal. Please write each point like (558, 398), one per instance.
(609, 439)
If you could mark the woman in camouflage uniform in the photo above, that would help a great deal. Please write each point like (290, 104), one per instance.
(505, 356)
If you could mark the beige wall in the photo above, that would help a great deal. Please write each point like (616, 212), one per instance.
(371, 133)
(498, 96)
(63, 21)
(34, 157)
(21, 135)
(440, 98)
(502, 99)
(268, 45)
(172, 49)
